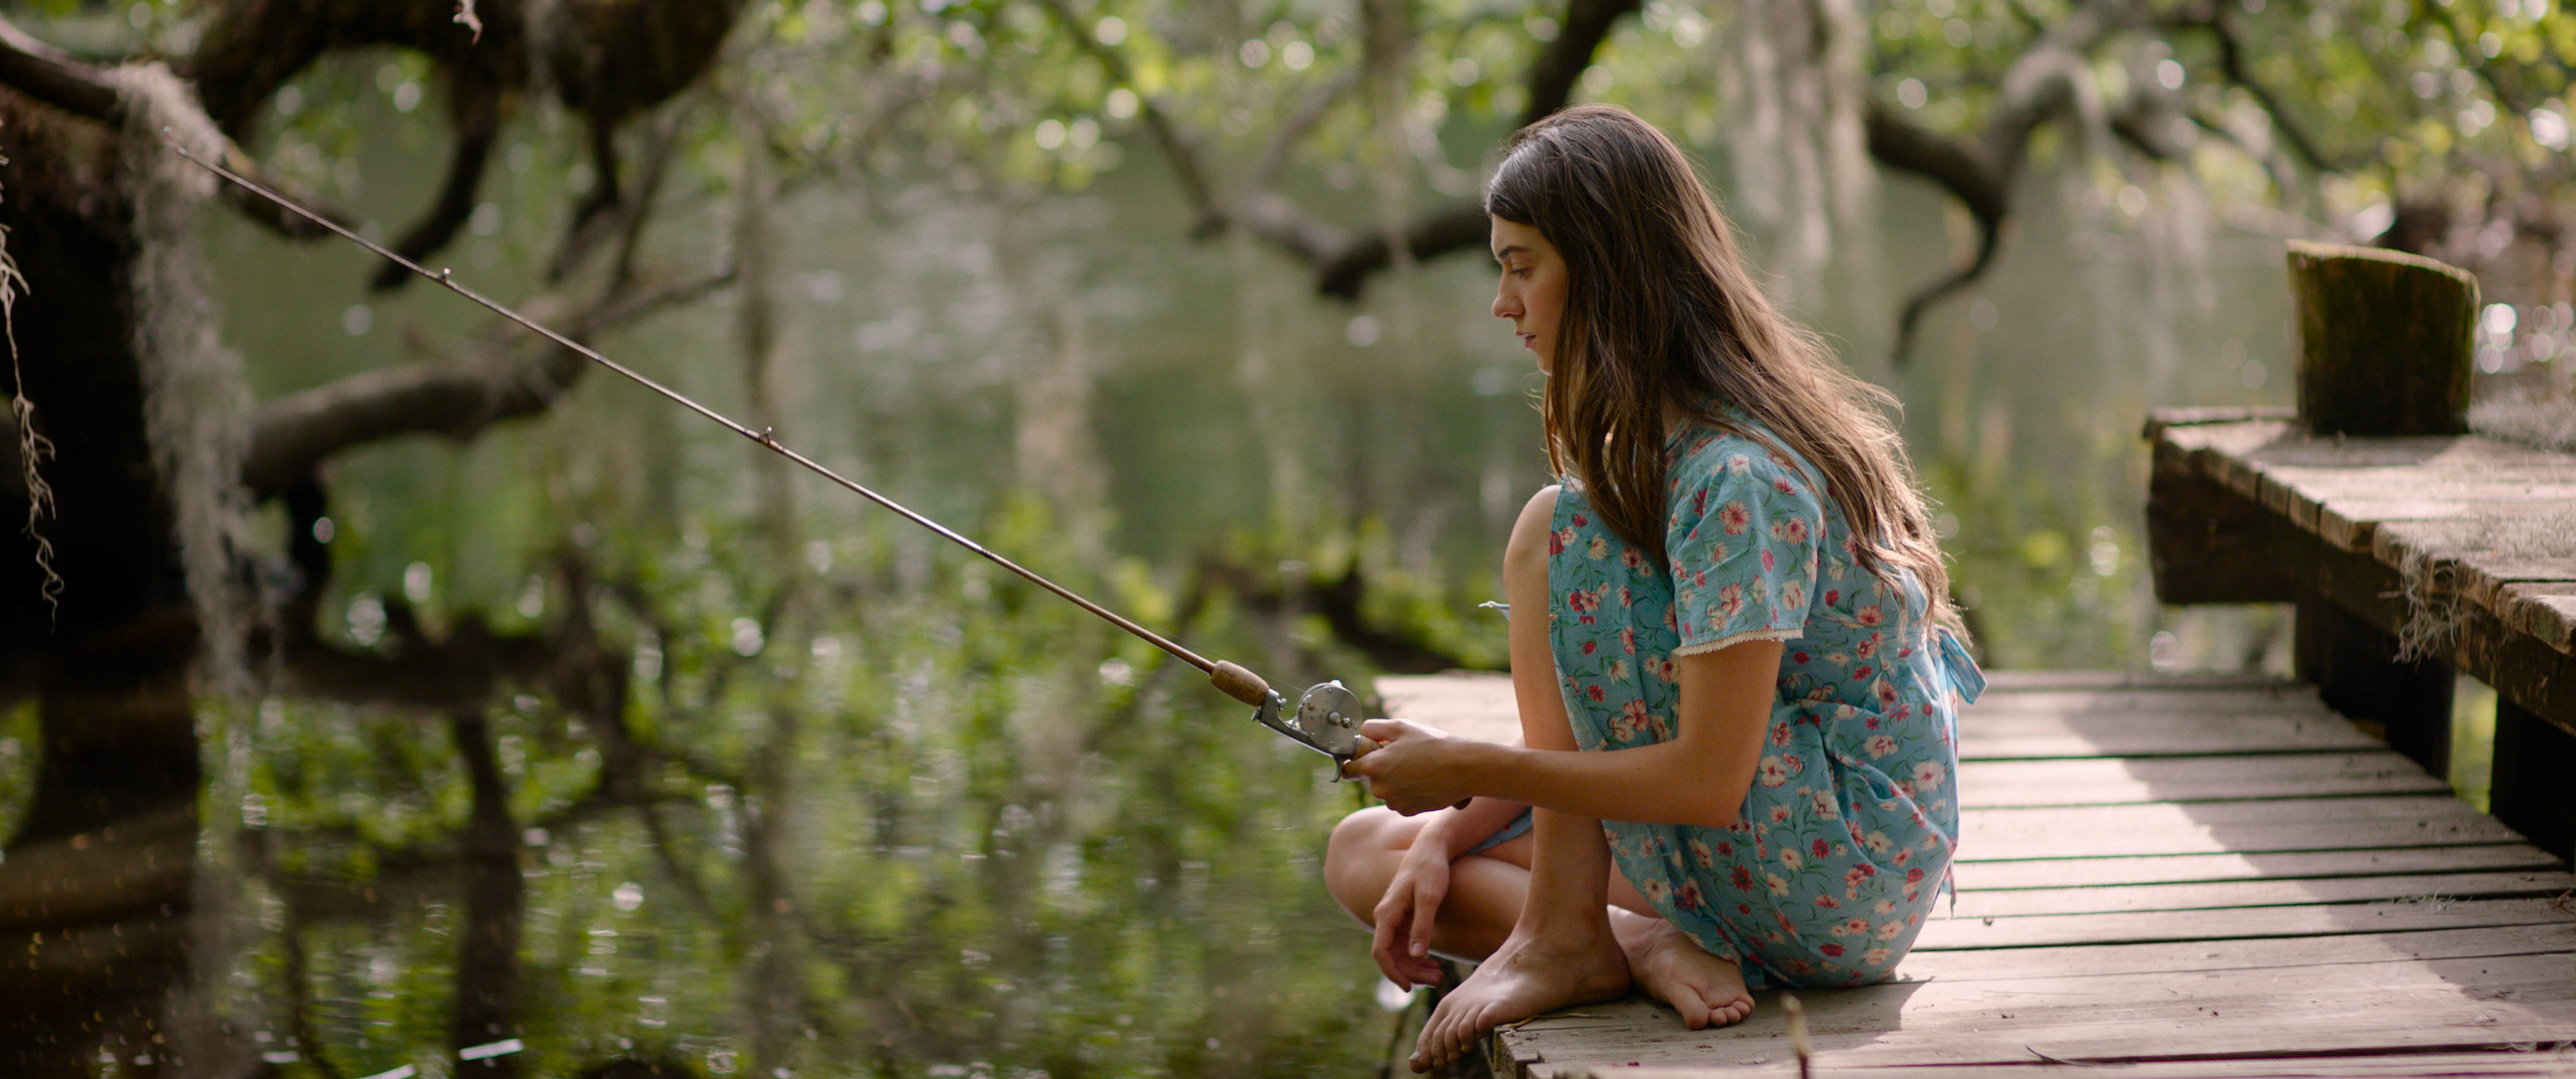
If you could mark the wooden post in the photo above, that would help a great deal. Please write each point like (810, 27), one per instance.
(2384, 347)
(2535, 779)
(2384, 341)
(2355, 669)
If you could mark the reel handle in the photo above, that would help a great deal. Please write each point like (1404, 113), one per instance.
(1241, 684)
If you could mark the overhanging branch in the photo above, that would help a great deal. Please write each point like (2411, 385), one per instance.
(2048, 80)
(1551, 84)
(2231, 63)
(59, 79)
(455, 398)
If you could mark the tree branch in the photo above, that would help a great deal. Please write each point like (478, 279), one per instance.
(1562, 61)
(59, 79)
(1439, 233)
(55, 77)
(2046, 81)
(1958, 169)
(2231, 63)
(1551, 84)
(1158, 122)
(1339, 601)
(456, 398)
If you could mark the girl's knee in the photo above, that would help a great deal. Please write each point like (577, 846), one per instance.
(1360, 858)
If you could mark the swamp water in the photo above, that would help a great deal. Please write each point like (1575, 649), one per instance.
(877, 809)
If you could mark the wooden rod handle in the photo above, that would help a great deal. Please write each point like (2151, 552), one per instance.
(1240, 684)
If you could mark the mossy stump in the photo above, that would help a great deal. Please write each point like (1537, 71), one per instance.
(2384, 341)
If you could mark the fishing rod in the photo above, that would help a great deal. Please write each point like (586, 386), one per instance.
(1327, 716)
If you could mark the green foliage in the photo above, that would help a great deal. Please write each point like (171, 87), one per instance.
(995, 854)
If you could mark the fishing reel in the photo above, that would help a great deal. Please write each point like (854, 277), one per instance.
(1327, 720)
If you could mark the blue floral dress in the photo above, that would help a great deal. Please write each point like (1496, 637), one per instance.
(1849, 825)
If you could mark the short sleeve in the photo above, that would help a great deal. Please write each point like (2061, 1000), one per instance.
(1746, 530)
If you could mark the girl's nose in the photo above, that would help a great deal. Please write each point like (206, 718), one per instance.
(1503, 307)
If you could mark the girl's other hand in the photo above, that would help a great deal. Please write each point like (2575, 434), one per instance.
(1404, 917)
(1413, 768)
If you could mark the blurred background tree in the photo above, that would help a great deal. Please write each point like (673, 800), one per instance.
(1164, 297)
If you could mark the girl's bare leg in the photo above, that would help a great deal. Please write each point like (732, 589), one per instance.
(1484, 903)
(1560, 950)
(1562, 947)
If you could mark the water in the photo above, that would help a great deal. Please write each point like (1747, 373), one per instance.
(867, 806)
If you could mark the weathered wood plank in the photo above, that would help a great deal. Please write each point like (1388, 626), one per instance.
(2332, 1008)
(2390, 810)
(2170, 416)
(2349, 523)
(2194, 737)
(2201, 444)
(2006, 683)
(2462, 455)
(2544, 609)
(2484, 578)
(1992, 839)
(2522, 1061)
(1972, 876)
(1985, 784)
(1470, 704)
(2324, 919)
(2096, 960)
(2022, 902)
(2257, 698)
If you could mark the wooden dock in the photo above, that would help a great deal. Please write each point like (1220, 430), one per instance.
(2368, 535)
(2213, 876)
(2240, 876)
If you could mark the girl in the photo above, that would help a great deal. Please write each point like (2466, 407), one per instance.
(1734, 586)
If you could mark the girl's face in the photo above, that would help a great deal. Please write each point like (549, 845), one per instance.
(1532, 293)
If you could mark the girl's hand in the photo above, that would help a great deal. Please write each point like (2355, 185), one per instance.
(1404, 917)
(1413, 768)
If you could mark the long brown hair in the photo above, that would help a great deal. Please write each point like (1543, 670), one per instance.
(1660, 314)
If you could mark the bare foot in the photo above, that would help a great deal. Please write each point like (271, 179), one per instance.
(1706, 990)
(1529, 974)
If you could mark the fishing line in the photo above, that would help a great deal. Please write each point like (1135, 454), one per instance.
(1328, 715)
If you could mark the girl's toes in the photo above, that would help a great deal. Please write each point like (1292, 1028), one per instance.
(1694, 1011)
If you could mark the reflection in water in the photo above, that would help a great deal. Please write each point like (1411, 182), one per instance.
(776, 783)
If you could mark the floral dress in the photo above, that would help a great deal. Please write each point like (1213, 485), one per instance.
(1848, 828)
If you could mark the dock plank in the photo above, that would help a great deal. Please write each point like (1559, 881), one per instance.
(2108, 780)
(1972, 876)
(2523, 1061)
(2311, 920)
(2090, 960)
(2545, 610)
(2135, 736)
(2220, 895)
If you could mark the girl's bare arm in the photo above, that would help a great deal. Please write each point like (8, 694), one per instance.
(1698, 778)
